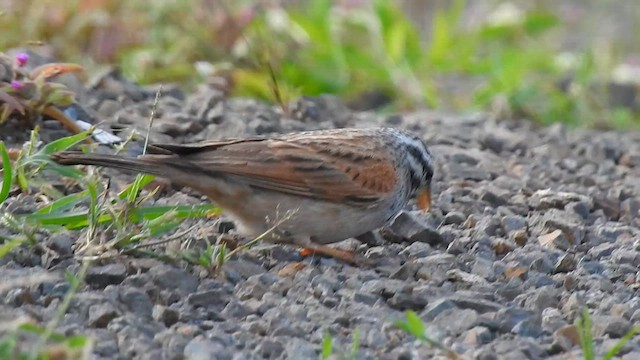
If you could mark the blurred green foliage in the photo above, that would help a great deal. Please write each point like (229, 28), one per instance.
(510, 64)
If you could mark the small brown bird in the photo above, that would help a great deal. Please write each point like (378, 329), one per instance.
(337, 184)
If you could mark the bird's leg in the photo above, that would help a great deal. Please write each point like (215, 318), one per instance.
(343, 255)
(308, 248)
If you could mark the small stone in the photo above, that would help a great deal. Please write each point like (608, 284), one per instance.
(19, 297)
(566, 337)
(109, 108)
(251, 290)
(101, 276)
(436, 308)
(137, 301)
(365, 298)
(471, 222)
(269, 349)
(417, 250)
(529, 327)
(371, 238)
(493, 197)
(203, 349)
(297, 348)
(555, 239)
(565, 263)
(519, 237)
(477, 336)
(554, 219)
(625, 256)
(615, 327)
(61, 242)
(407, 301)
(457, 275)
(611, 208)
(456, 321)
(502, 246)
(409, 227)
(552, 319)
(235, 310)
(168, 277)
(630, 208)
(177, 126)
(406, 271)
(165, 315)
(243, 268)
(612, 231)
(454, 218)
(573, 305)
(507, 318)
(101, 314)
(511, 223)
(601, 251)
(214, 297)
(542, 298)
(541, 264)
(548, 199)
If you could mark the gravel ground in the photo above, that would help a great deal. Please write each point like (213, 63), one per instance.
(529, 226)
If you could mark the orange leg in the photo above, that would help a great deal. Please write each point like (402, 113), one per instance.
(344, 255)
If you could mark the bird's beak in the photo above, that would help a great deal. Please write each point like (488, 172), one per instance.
(423, 199)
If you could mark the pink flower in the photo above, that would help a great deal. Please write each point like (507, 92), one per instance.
(17, 84)
(22, 59)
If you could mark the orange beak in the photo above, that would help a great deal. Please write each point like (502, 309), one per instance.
(423, 199)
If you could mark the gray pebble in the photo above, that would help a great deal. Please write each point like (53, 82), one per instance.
(101, 276)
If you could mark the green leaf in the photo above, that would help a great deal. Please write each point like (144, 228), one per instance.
(61, 98)
(64, 143)
(64, 203)
(131, 192)
(620, 343)
(66, 171)
(583, 325)
(77, 342)
(356, 344)
(327, 346)
(537, 23)
(7, 347)
(37, 329)
(413, 325)
(78, 220)
(7, 246)
(7, 173)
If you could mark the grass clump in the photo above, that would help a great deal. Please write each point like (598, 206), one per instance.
(511, 64)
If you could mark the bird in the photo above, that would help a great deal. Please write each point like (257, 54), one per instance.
(335, 184)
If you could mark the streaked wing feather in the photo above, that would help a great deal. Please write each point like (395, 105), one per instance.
(309, 167)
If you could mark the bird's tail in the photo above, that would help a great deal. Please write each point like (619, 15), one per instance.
(160, 165)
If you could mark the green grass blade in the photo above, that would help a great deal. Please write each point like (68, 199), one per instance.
(7, 173)
(6, 247)
(327, 346)
(584, 332)
(356, 344)
(413, 325)
(131, 192)
(618, 346)
(66, 171)
(64, 203)
(77, 220)
(8, 347)
(38, 330)
(64, 143)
